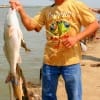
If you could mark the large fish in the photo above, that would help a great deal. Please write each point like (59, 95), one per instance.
(13, 40)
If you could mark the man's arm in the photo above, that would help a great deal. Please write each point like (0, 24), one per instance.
(88, 30)
(26, 20)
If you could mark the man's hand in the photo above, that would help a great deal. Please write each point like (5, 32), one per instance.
(15, 4)
(69, 41)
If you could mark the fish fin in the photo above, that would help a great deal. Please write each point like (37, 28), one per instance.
(23, 44)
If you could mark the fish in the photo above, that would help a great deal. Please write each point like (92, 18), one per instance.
(13, 41)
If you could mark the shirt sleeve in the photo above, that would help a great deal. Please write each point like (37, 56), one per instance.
(85, 15)
(39, 19)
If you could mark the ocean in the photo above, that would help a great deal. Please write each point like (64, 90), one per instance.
(31, 61)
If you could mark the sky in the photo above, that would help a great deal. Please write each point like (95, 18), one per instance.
(91, 3)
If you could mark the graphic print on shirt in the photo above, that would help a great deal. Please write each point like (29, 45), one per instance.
(59, 28)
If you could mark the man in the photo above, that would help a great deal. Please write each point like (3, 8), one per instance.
(62, 22)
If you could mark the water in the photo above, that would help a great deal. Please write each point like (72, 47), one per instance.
(31, 62)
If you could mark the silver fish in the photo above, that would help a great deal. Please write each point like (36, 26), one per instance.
(13, 40)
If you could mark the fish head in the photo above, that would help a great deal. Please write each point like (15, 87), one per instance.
(11, 25)
(12, 19)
